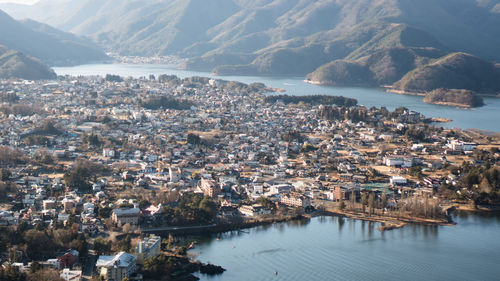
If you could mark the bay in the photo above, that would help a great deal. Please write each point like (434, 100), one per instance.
(333, 248)
(483, 118)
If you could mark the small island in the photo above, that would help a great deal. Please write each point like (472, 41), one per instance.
(454, 97)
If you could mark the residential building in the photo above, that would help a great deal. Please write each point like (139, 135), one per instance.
(147, 248)
(295, 200)
(126, 215)
(254, 210)
(115, 268)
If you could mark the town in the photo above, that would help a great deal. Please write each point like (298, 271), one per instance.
(102, 176)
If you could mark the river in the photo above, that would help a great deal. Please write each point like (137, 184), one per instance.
(483, 118)
(333, 248)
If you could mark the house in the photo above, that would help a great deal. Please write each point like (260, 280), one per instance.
(116, 268)
(147, 248)
(126, 215)
(68, 259)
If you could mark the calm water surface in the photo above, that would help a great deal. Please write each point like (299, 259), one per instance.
(484, 118)
(331, 248)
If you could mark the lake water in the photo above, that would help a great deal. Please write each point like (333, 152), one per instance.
(484, 118)
(332, 248)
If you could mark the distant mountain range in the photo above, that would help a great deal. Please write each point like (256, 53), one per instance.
(46, 43)
(14, 64)
(345, 42)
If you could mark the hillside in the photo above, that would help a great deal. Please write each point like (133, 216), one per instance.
(454, 97)
(454, 71)
(290, 37)
(14, 64)
(46, 43)
(381, 68)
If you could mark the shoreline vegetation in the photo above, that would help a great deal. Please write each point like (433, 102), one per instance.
(447, 97)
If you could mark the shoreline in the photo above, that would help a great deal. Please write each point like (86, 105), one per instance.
(445, 103)
(388, 222)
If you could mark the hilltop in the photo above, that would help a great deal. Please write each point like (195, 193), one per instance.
(14, 64)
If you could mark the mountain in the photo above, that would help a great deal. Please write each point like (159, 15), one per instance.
(288, 37)
(45, 43)
(14, 64)
(383, 67)
(454, 71)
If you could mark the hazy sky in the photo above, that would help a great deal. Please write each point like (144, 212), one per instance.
(19, 1)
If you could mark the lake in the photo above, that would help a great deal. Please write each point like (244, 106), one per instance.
(333, 248)
(484, 118)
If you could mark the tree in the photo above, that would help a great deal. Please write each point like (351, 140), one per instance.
(371, 203)
(416, 171)
(102, 246)
(45, 275)
(193, 139)
(38, 244)
(5, 174)
(364, 201)
(353, 199)
(341, 204)
(208, 205)
(384, 201)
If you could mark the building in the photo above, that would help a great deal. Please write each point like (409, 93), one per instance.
(399, 161)
(280, 188)
(295, 200)
(71, 275)
(209, 187)
(107, 152)
(147, 248)
(398, 180)
(462, 146)
(49, 204)
(345, 193)
(115, 268)
(126, 215)
(68, 259)
(254, 210)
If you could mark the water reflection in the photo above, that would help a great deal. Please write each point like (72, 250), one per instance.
(314, 250)
(341, 222)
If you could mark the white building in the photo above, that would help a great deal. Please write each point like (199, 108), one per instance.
(71, 275)
(397, 180)
(254, 210)
(295, 200)
(115, 268)
(147, 248)
(108, 152)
